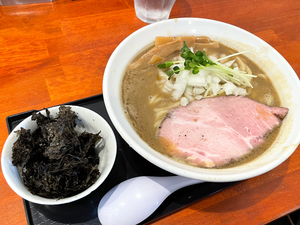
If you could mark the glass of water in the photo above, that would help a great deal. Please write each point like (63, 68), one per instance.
(151, 11)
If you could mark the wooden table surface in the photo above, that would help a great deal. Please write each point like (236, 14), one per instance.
(52, 53)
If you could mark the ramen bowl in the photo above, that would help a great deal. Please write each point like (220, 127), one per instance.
(90, 122)
(280, 72)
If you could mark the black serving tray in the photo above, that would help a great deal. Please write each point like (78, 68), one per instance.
(128, 164)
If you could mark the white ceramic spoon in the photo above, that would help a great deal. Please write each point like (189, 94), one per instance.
(133, 200)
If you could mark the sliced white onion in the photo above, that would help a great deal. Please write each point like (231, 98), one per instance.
(229, 88)
(216, 87)
(208, 78)
(180, 84)
(240, 91)
(184, 101)
(168, 87)
(198, 90)
(216, 79)
(198, 97)
(196, 80)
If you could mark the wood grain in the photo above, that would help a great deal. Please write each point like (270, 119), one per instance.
(52, 53)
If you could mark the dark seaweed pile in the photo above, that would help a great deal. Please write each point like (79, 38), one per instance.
(54, 161)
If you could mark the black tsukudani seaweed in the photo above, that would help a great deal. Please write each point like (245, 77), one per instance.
(54, 161)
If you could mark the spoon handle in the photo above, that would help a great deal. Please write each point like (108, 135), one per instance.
(133, 200)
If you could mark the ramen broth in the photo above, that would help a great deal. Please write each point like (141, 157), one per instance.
(145, 103)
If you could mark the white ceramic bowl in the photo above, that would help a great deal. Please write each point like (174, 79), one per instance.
(92, 123)
(284, 77)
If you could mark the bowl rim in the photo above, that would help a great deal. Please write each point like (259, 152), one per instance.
(153, 157)
(6, 162)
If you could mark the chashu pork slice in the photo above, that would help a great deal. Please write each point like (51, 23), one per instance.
(212, 131)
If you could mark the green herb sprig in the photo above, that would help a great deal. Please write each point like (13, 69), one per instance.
(192, 61)
(199, 60)
(168, 64)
